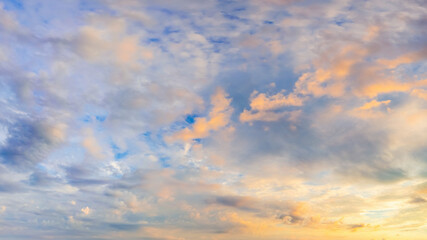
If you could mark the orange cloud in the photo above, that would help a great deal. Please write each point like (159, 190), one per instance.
(373, 104)
(331, 72)
(263, 106)
(262, 102)
(420, 93)
(248, 224)
(218, 118)
(388, 86)
(385, 87)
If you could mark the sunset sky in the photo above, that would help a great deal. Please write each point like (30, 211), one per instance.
(213, 119)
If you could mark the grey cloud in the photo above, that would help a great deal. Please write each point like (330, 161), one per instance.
(417, 200)
(27, 144)
(372, 173)
(83, 176)
(242, 203)
(40, 178)
(11, 187)
(124, 226)
(290, 219)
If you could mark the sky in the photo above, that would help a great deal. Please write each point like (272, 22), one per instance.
(213, 120)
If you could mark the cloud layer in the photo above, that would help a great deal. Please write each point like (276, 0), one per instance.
(295, 120)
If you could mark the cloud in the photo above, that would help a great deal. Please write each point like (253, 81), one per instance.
(248, 116)
(404, 59)
(8, 21)
(91, 144)
(244, 203)
(262, 107)
(386, 86)
(297, 214)
(380, 174)
(86, 210)
(373, 104)
(108, 41)
(420, 93)
(29, 142)
(372, 109)
(218, 118)
(417, 200)
(261, 102)
(230, 120)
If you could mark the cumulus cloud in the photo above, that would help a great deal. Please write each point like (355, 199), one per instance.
(262, 107)
(218, 118)
(86, 210)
